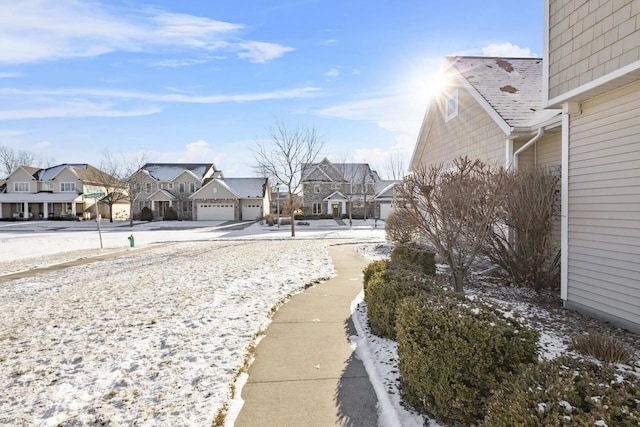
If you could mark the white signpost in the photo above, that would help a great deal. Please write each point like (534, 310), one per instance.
(96, 195)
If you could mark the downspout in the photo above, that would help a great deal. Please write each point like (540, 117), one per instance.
(529, 143)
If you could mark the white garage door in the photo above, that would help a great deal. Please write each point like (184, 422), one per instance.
(251, 211)
(215, 212)
(385, 210)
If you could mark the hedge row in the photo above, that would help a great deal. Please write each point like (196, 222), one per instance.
(463, 361)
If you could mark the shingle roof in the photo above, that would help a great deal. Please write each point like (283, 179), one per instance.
(169, 171)
(511, 86)
(247, 187)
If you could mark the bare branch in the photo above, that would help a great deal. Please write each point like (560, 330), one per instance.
(286, 157)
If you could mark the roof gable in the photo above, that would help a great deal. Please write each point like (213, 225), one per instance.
(169, 171)
(509, 89)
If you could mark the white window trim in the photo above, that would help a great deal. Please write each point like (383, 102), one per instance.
(15, 187)
(72, 186)
(316, 208)
(148, 187)
(452, 97)
(192, 187)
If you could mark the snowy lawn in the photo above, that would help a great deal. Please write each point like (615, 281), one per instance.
(148, 338)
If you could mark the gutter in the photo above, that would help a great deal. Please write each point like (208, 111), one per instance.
(529, 143)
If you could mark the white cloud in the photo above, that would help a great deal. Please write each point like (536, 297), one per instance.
(196, 151)
(40, 30)
(333, 72)
(508, 50)
(74, 109)
(301, 92)
(261, 52)
(328, 42)
(9, 75)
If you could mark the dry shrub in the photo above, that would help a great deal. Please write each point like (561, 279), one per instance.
(607, 349)
(454, 209)
(523, 245)
(399, 227)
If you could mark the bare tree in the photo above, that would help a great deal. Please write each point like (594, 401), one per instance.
(11, 159)
(131, 172)
(112, 176)
(285, 157)
(394, 166)
(454, 209)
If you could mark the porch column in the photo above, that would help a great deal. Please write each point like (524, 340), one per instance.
(170, 203)
(45, 210)
(25, 210)
(1, 215)
(73, 208)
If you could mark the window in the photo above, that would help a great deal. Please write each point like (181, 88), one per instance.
(316, 208)
(47, 186)
(160, 185)
(181, 189)
(148, 188)
(335, 186)
(316, 188)
(192, 187)
(171, 186)
(452, 105)
(22, 187)
(67, 187)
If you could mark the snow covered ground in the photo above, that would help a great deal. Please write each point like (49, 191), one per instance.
(154, 336)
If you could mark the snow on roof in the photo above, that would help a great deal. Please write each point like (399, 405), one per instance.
(247, 187)
(350, 171)
(511, 86)
(170, 171)
(49, 173)
(382, 187)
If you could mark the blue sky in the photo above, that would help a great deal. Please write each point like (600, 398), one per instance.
(202, 81)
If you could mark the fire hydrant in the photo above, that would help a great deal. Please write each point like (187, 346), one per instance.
(132, 241)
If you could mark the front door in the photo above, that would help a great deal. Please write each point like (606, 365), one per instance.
(336, 209)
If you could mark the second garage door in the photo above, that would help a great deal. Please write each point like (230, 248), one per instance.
(251, 211)
(385, 210)
(215, 212)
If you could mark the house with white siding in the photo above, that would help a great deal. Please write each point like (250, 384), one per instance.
(232, 199)
(61, 191)
(592, 72)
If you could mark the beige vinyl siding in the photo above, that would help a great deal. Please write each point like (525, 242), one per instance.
(471, 133)
(549, 151)
(589, 39)
(604, 205)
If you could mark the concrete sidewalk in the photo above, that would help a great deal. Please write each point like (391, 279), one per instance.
(305, 372)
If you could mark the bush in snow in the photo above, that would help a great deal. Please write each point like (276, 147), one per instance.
(400, 228)
(386, 284)
(170, 214)
(607, 349)
(454, 351)
(146, 214)
(525, 246)
(566, 392)
(417, 257)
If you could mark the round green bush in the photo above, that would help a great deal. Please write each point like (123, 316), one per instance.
(146, 214)
(384, 292)
(170, 214)
(453, 352)
(566, 392)
(373, 268)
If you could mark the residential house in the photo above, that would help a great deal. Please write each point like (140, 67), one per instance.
(335, 189)
(489, 109)
(592, 72)
(159, 186)
(232, 199)
(61, 191)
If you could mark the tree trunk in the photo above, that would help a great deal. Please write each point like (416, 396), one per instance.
(457, 280)
(111, 212)
(293, 222)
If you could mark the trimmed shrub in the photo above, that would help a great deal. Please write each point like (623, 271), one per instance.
(170, 214)
(453, 352)
(384, 291)
(415, 255)
(146, 214)
(372, 269)
(566, 392)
